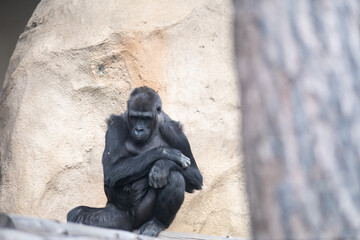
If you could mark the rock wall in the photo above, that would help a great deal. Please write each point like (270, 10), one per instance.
(77, 62)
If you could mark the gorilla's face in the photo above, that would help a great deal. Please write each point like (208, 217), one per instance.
(141, 125)
(143, 113)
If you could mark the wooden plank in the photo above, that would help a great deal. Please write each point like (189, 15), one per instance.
(7, 234)
(36, 228)
(20, 227)
(168, 235)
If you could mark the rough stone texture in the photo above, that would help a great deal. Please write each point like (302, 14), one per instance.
(77, 62)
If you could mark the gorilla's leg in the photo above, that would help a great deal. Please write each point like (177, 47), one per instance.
(168, 202)
(108, 217)
(145, 210)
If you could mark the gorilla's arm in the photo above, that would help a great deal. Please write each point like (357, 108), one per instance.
(120, 167)
(172, 133)
(158, 176)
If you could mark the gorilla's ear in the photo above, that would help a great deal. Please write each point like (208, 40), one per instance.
(158, 109)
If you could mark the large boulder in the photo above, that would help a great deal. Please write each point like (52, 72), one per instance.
(77, 62)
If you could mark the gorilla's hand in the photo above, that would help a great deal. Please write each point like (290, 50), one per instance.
(158, 175)
(177, 156)
(185, 161)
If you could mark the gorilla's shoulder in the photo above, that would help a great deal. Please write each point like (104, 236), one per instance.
(176, 125)
(170, 124)
(115, 119)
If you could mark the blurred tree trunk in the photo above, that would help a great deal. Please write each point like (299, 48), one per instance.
(299, 70)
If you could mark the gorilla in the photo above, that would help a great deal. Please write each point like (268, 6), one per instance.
(148, 165)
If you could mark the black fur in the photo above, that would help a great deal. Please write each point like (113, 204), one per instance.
(145, 177)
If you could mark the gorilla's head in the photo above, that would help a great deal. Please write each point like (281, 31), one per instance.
(143, 111)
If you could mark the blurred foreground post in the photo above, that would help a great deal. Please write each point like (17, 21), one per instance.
(299, 70)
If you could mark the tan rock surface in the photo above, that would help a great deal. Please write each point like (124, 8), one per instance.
(77, 62)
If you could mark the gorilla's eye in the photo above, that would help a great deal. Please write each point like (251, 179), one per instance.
(158, 109)
(134, 118)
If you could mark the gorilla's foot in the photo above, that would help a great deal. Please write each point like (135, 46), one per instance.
(151, 228)
(72, 216)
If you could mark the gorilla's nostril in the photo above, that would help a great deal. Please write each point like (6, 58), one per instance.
(139, 131)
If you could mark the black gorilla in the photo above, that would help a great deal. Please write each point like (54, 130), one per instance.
(148, 166)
